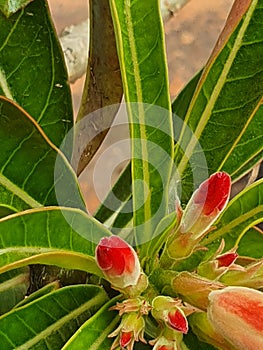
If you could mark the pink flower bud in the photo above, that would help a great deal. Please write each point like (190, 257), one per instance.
(206, 204)
(237, 314)
(118, 262)
(194, 289)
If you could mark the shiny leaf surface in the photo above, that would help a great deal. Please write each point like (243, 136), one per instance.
(32, 70)
(58, 314)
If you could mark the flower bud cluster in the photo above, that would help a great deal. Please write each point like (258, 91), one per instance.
(226, 317)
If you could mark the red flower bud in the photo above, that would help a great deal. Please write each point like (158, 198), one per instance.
(225, 260)
(206, 204)
(125, 339)
(131, 329)
(118, 262)
(237, 314)
(213, 193)
(177, 320)
(167, 309)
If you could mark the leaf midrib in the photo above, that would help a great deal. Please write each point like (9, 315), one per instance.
(19, 192)
(216, 91)
(13, 282)
(96, 345)
(143, 136)
(55, 326)
(236, 222)
(3, 81)
(240, 135)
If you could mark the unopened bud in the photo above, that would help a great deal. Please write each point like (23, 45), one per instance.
(206, 204)
(202, 210)
(131, 329)
(167, 310)
(237, 314)
(194, 289)
(118, 262)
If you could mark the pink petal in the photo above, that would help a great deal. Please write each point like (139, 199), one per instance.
(249, 309)
(237, 314)
(115, 255)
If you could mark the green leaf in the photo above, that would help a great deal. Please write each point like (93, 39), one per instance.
(53, 236)
(251, 244)
(164, 228)
(39, 293)
(32, 70)
(13, 288)
(194, 343)
(5, 209)
(119, 194)
(142, 346)
(103, 85)
(27, 162)
(226, 99)
(48, 322)
(8, 7)
(144, 75)
(243, 212)
(181, 103)
(248, 151)
(93, 334)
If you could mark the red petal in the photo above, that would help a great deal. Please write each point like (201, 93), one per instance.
(125, 338)
(103, 257)
(227, 259)
(115, 256)
(178, 321)
(214, 192)
(165, 347)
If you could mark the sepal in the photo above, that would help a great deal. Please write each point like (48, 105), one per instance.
(131, 329)
(170, 311)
